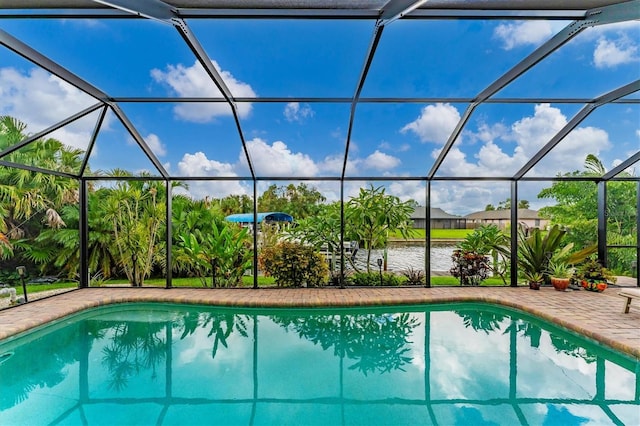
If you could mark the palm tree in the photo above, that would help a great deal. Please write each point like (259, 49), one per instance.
(137, 214)
(28, 198)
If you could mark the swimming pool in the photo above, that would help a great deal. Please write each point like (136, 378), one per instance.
(432, 364)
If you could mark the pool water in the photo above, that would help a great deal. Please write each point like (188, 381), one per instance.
(457, 364)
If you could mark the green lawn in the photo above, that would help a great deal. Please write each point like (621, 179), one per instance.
(247, 282)
(31, 288)
(451, 281)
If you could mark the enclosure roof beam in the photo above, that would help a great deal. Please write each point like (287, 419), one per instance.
(605, 15)
(165, 13)
(217, 79)
(622, 166)
(615, 13)
(371, 50)
(50, 129)
(37, 169)
(139, 140)
(92, 141)
(575, 120)
(396, 9)
(39, 59)
(152, 9)
(272, 13)
(392, 10)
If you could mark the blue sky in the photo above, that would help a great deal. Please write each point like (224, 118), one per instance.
(286, 58)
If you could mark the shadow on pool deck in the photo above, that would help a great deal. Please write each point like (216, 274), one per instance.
(596, 315)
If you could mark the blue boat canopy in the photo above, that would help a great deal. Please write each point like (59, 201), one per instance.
(262, 217)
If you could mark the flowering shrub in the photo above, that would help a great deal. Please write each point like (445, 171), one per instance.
(469, 267)
(294, 264)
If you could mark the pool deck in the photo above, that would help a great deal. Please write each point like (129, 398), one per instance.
(595, 315)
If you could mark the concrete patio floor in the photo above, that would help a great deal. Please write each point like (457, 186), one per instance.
(596, 315)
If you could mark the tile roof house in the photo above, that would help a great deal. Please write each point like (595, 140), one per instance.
(502, 218)
(439, 219)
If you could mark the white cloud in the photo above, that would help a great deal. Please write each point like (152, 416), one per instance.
(487, 133)
(456, 164)
(198, 165)
(523, 33)
(409, 190)
(611, 53)
(193, 81)
(530, 134)
(294, 112)
(40, 100)
(278, 160)
(435, 123)
(332, 164)
(154, 143)
(381, 161)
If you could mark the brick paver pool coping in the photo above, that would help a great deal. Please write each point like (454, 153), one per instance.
(596, 315)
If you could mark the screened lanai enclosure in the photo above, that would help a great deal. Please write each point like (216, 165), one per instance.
(121, 119)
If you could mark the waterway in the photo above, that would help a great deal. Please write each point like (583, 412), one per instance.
(405, 255)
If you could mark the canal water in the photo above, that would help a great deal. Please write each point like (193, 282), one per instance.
(401, 256)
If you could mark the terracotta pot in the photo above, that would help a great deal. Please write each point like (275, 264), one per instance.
(560, 284)
(594, 285)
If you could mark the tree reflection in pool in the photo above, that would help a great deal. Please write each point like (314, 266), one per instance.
(439, 364)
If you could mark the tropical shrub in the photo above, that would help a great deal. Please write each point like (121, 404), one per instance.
(231, 250)
(373, 279)
(536, 248)
(369, 219)
(577, 208)
(223, 253)
(373, 214)
(592, 270)
(414, 276)
(293, 264)
(30, 202)
(485, 241)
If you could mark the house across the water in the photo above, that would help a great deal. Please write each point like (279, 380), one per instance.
(502, 218)
(439, 219)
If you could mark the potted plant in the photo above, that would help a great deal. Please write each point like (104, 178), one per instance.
(535, 279)
(560, 275)
(593, 276)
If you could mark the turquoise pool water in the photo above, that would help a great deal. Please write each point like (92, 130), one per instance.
(463, 364)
